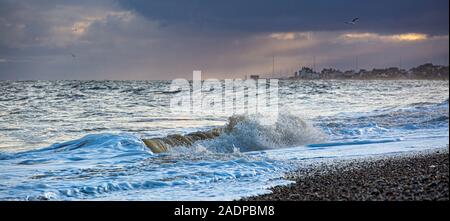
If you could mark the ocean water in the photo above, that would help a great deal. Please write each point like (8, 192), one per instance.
(81, 140)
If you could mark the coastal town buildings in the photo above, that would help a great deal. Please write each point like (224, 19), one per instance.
(425, 71)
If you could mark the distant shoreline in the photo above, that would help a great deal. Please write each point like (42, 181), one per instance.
(423, 176)
(423, 72)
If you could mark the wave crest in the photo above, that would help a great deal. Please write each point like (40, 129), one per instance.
(249, 133)
(245, 133)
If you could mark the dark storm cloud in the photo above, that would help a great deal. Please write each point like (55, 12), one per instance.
(381, 16)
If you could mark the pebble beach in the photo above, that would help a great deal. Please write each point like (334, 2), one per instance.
(414, 177)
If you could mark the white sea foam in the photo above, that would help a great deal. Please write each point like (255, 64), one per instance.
(249, 133)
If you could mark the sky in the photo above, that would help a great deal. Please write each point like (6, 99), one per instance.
(168, 39)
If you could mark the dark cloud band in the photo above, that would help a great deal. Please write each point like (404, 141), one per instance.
(381, 16)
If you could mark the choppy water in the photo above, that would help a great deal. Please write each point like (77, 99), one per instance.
(81, 140)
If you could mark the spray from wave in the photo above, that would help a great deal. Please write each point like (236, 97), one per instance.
(244, 133)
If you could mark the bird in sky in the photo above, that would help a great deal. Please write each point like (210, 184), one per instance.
(352, 22)
(73, 55)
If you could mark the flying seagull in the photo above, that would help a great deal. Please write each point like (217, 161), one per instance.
(352, 22)
(73, 55)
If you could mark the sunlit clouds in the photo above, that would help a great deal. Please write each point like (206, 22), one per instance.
(406, 37)
(409, 37)
(286, 36)
(79, 28)
(283, 36)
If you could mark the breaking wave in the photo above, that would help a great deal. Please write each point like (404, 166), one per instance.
(250, 133)
(245, 133)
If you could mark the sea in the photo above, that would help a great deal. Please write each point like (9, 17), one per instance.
(82, 140)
